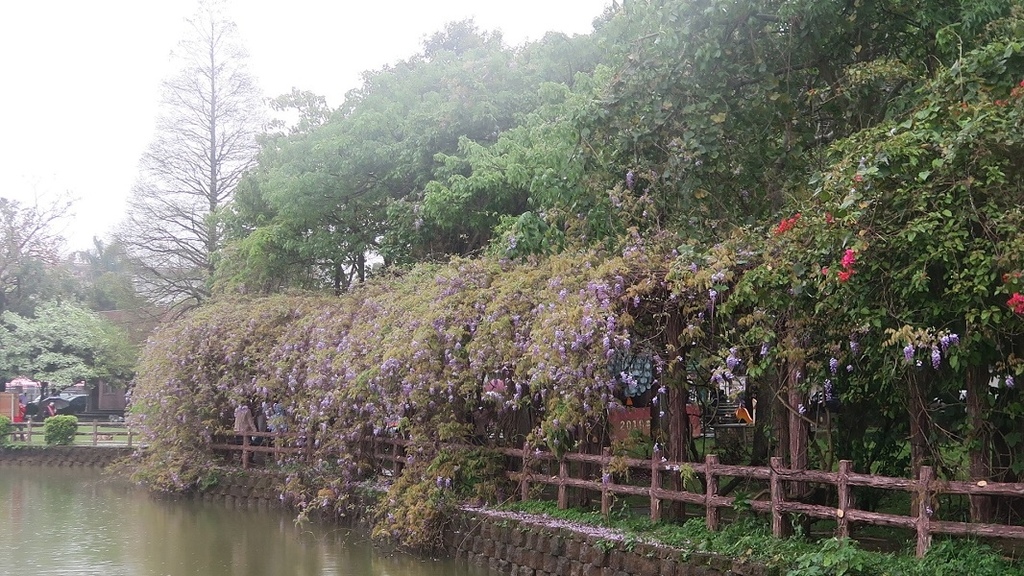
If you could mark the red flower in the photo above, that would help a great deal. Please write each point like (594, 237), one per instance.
(849, 258)
(1016, 302)
(858, 178)
(845, 275)
(829, 218)
(824, 271)
(787, 224)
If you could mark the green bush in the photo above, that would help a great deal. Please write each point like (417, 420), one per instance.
(6, 428)
(60, 430)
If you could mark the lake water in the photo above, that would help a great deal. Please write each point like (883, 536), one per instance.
(77, 521)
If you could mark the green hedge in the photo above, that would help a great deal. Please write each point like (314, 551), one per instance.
(60, 430)
(6, 428)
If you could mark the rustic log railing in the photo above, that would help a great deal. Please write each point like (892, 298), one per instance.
(97, 433)
(389, 452)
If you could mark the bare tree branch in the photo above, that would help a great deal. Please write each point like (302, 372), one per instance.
(205, 142)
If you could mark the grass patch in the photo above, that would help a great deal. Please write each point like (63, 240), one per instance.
(750, 538)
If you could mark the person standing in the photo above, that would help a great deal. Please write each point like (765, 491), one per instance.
(244, 423)
(19, 418)
(51, 409)
(244, 426)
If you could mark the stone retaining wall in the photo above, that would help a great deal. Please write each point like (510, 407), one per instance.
(250, 489)
(63, 456)
(525, 547)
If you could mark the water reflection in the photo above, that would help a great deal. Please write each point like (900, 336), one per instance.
(64, 521)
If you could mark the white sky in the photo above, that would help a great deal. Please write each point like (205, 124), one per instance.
(81, 78)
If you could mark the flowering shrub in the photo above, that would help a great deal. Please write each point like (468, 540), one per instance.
(410, 356)
(924, 208)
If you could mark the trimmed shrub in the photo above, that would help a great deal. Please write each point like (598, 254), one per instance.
(60, 430)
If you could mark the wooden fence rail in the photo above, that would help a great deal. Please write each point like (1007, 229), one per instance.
(526, 464)
(98, 433)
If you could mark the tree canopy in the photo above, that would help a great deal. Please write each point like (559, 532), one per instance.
(64, 344)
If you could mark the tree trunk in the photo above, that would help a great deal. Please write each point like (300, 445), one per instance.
(798, 427)
(979, 441)
(918, 412)
(677, 446)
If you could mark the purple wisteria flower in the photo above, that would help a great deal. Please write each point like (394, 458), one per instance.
(908, 353)
(764, 349)
(630, 180)
(936, 357)
(732, 361)
(1009, 382)
(833, 365)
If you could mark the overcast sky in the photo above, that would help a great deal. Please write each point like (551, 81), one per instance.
(81, 78)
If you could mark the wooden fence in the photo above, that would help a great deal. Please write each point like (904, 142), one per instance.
(530, 467)
(97, 433)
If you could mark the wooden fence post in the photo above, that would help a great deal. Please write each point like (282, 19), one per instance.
(776, 489)
(29, 431)
(396, 466)
(245, 451)
(712, 514)
(655, 485)
(843, 487)
(129, 428)
(563, 494)
(924, 509)
(606, 480)
(524, 477)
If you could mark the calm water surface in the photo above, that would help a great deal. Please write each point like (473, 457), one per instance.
(64, 521)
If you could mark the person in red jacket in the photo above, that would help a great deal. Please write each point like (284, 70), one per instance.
(19, 418)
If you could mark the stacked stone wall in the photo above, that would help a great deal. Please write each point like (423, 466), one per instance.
(63, 456)
(245, 490)
(521, 547)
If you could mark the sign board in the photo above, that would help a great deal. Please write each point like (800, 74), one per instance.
(8, 404)
(624, 420)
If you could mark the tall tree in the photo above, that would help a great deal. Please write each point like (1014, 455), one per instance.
(63, 344)
(206, 140)
(106, 281)
(29, 247)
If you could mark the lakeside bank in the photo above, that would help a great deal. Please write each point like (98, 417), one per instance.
(505, 542)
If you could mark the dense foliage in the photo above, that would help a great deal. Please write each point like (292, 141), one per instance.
(819, 202)
(64, 343)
